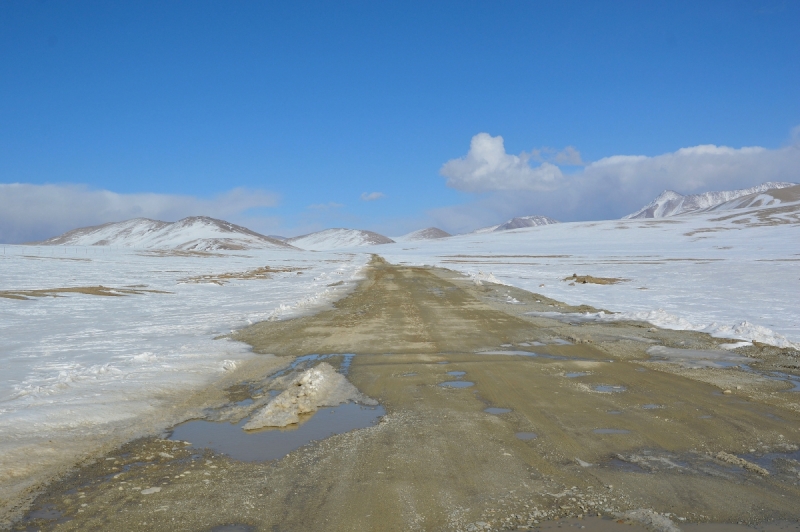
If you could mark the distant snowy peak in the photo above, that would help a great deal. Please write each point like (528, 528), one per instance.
(525, 221)
(518, 223)
(670, 203)
(196, 233)
(772, 197)
(429, 233)
(338, 238)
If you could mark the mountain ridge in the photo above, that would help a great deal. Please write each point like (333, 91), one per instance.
(195, 233)
(671, 203)
(338, 237)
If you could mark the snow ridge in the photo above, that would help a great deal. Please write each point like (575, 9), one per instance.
(196, 233)
(670, 203)
(338, 238)
(517, 223)
(429, 233)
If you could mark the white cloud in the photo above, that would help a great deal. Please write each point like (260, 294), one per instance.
(608, 188)
(372, 196)
(569, 156)
(488, 167)
(35, 212)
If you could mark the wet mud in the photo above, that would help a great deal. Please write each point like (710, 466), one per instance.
(650, 452)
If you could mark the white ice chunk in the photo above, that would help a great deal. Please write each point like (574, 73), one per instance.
(317, 387)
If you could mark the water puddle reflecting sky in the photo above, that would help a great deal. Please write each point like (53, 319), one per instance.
(271, 444)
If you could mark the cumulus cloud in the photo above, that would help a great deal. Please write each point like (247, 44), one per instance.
(610, 187)
(372, 196)
(569, 156)
(35, 212)
(488, 167)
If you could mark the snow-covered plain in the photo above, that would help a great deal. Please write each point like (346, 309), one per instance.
(734, 274)
(82, 365)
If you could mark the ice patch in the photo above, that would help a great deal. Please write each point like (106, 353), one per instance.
(696, 358)
(745, 332)
(479, 278)
(314, 388)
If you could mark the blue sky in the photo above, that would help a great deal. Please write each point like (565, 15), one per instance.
(297, 109)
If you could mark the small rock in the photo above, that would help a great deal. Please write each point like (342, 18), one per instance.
(150, 491)
(727, 392)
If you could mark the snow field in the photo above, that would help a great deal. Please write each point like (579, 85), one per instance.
(728, 278)
(83, 365)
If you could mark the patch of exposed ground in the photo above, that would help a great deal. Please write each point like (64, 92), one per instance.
(179, 253)
(86, 290)
(222, 278)
(647, 451)
(584, 279)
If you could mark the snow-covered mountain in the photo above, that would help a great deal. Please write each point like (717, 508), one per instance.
(517, 223)
(197, 233)
(429, 233)
(772, 197)
(338, 238)
(670, 203)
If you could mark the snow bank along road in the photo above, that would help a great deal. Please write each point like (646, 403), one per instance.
(596, 421)
(85, 367)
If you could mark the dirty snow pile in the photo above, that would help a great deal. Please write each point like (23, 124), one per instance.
(314, 388)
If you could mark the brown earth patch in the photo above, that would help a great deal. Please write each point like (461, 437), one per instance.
(87, 290)
(584, 279)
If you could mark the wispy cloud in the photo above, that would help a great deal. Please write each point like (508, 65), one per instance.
(35, 212)
(372, 196)
(513, 185)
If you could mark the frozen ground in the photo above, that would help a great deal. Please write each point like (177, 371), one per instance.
(86, 364)
(732, 274)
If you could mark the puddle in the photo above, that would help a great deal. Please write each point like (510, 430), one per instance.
(604, 388)
(611, 431)
(627, 467)
(457, 384)
(561, 341)
(652, 406)
(233, 528)
(48, 513)
(411, 374)
(696, 358)
(457, 373)
(304, 362)
(506, 345)
(614, 412)
(528, 354)
(776, 462)
(574, 374)
(526, 436)
(271, 444)
(791, 379)
(493, 410)
(443, 362)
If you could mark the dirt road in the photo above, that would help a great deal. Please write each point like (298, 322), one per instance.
(588, 425)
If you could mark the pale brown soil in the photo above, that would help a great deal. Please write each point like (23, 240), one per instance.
(222, 278)
(583, 279)
(87, 290)
(437, 461)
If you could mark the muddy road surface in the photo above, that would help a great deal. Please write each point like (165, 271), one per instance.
(494, 419)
